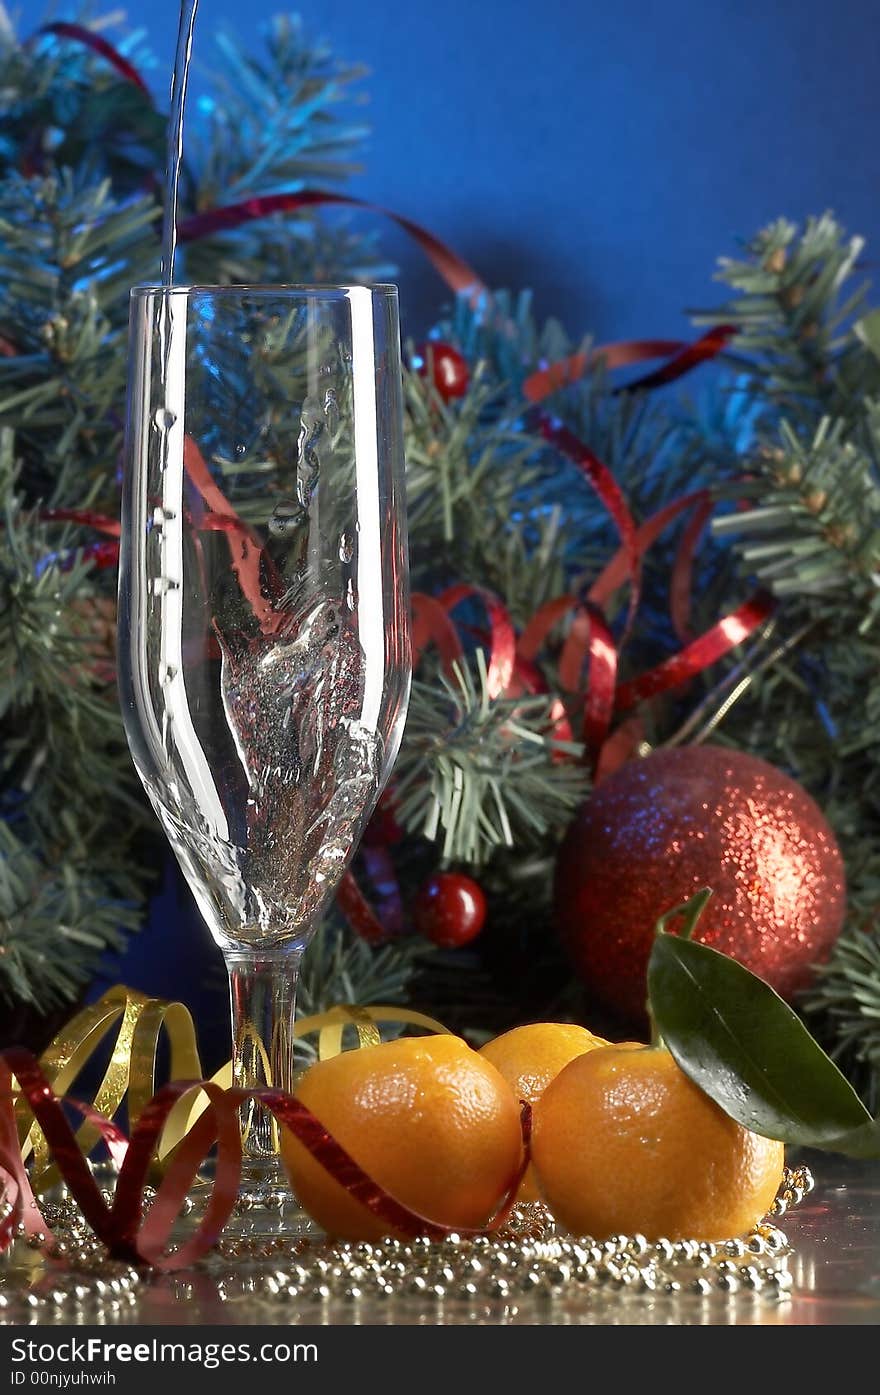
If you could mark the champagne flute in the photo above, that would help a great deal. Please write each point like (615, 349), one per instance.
(264, 647)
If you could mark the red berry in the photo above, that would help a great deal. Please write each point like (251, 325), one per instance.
(446, 367)
(450, 910)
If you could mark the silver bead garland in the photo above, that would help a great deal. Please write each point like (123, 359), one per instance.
(527, 1260)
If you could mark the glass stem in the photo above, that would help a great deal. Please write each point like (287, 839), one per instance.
(263, 996)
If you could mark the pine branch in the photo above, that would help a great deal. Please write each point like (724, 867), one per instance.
(68, 253)
(56, 921)
(463, 458)
(814, 529)
(269, 124)
(340, 968)
(476, 774)
(65, 107)
(71, 872)
(844, 1006)
(794, 309)
(75, 232)
(491, 504)
(501, 332)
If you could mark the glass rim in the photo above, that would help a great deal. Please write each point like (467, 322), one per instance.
(385, 288)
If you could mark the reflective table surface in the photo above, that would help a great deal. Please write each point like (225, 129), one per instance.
(834, 1263)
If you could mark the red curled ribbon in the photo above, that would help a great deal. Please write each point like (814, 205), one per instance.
(681, 355)
(454, 270)
(502, 647)
(122, 1227)
(601, 678)
(431, 624)
(87, 518)
(359, 913)
(708, 346)
(565, 371)
(711, 646)
(100, 554)
(89, 39)
(589, 641)
(614, 573)
(611, 495)
(61, 1139)
(245, 548)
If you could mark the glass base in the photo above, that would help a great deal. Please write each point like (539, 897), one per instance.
(266, 1207)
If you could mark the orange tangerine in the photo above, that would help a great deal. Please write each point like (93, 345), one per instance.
(430, 1120)
(623, 1141)
(529, 1058)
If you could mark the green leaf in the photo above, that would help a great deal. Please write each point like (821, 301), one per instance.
(688, 913)
(741, 1044)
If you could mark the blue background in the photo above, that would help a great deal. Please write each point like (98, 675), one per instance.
(603, 153)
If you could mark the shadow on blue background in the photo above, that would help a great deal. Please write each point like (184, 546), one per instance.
(603, 154)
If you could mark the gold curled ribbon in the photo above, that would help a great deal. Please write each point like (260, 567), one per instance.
(330, 1026)
(130, 1075)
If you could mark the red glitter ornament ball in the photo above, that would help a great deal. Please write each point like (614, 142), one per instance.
(446, 367)
(659, 829)
(450, 910)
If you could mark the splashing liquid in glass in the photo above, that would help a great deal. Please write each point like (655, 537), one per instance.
(296, 769)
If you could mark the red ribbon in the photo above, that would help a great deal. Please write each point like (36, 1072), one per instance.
(711, 646)
(455, 271)
(65, 30)
(601, 678)
(431, 624)
(545, 381)
(621, 746)
(682, 357)
(309, 1130)
(589, 641)
(708, 346)
(122, 1226)
(502, 647)
(88, 518)
(249, 562)
(101, 554)
(615, 572)
(611, 495)
(358, 911)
